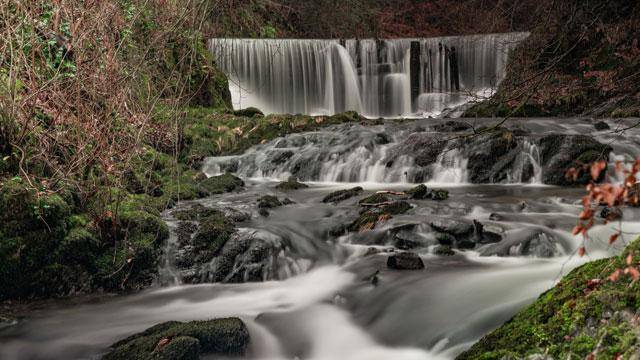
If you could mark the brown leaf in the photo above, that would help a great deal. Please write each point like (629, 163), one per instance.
(581, 251)
(635, 274)
(629, 259)
(613, 238)
(576, 230)
(615, 275)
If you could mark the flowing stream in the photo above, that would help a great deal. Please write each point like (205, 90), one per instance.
(318, 299)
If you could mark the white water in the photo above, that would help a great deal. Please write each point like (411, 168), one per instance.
(369, 76)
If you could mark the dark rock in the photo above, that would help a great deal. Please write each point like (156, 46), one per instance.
(611, 213)
(496, 217)
(452, 126)
(490, 156)
(396, 207)
(444, 250)
(175, 340)
(371, 251)
(213, 232)
(195, 212)
(405, 261)
(235, 215)
(445, 239)
(184, 231)
(601, 126)
(287, 201)
(268, 202)
(559, 153)
(421, 192)
(375, 199)
(465, 244)
(453, 227)
(281, 157)
(439, 194)
(341, 195)
(291, 184)
(382, 139)
(423, 147)
(263, 212)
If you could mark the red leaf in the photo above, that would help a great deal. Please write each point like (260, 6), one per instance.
(614, 276)
(576, 230)
(586, 214)
(613, 238)
(629, 259)
(581, 251)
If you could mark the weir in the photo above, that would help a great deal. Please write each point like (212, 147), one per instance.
(378, 78)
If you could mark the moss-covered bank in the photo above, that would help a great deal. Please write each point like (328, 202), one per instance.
(586, 313)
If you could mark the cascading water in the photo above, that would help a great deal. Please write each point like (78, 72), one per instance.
(373, 77)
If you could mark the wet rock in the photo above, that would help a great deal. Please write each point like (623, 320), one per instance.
(371, 251)
(452, 126)
(195, 212)
(525, 242)
(423, 147)
(611, 213)
(250, 256)
(342, 195)
(421, 192)
(366, 221)
(175, 340)
(453, 227)
(291, 184)
(445, 239)
(405, 261)
(236, 215)
(601, 126)
(406, 240)
(281, 157)
(287, 201)
(490, 156)
(496, 217)
(485, 235)
(213, 233)
(268, 202)
(263, 212)
(375, 199)
(559, 153)
(338, 230)
(396, 207)
(221, 184)
(444, 250)
(382, 139)
(184, 230)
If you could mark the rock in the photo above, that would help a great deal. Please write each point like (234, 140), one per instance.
(405, 261)
(249, 112)
(559, 153)
(184, 230)
(452, 126)
(419, 192)
(221, 184)
(445, 239)
(366, 221)
(263, 212)
(235, 215)
(287, 201)
(439, 194)
(375, 199)
(601, 126)
(406, 240)
(342, 195)
(268, 202)
(195, 213)
(611, 213)
(444, 250)
(213, 232)
(485, 236)
(396, 207)
(371, 251)
(291, 184)
(422, 146)
(281, 157)
(176, 340)
(453, 227)
(490, 155)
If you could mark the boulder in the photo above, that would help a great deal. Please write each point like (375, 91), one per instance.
(268, 202)
(342, 195)
(444, 250)
(601, 126)
(173, 340)
(221, 184)
(559, 153)
(452, 227)
(405, 261)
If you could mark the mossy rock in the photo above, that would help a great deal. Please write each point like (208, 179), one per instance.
(80, 246)
(248, 112)
(269, 202)
(213, 232)
(375, 199)
(396, 208)
(291, 184)
(342, 195)
(366, 221)
(221, 337)
(196, 212)
(141, 225)
(221, 184)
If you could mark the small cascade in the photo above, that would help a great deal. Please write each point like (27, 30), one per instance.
(378, 78)
(527, 167)
(450, 168)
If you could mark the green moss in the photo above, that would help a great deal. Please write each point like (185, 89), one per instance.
(221, 184)
(214, 231)
(375, 199)
(225, 337)
(342, 195)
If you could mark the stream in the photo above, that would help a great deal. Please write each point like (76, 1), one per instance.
(318, 299)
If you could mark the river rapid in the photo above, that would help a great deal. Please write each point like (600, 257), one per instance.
(332, 296)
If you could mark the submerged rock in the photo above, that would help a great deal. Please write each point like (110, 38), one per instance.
(291, 184)
(601, 126)
(342, 195)
(186, 341)
(269, 202)
(405, 261)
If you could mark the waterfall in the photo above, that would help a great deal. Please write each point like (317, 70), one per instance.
(373, 77)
